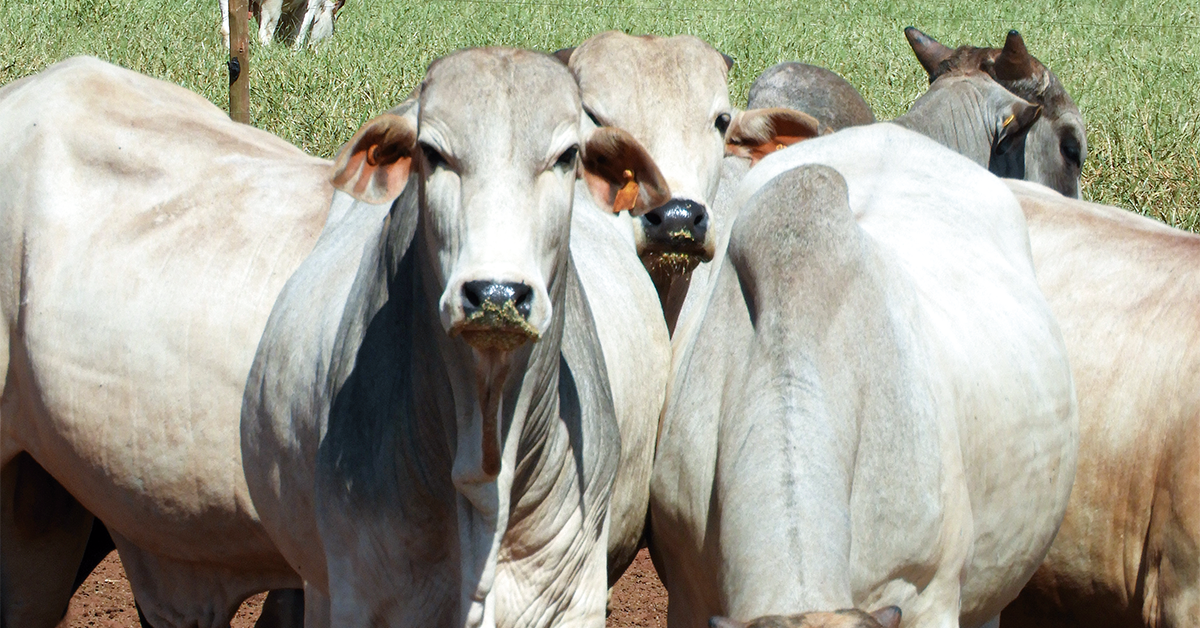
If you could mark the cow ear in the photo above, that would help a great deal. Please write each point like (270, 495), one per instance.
(888, 616)
(1014, 61)
(756, 133)
(620, 174)
(929, 52)
(564, 55)
(374, 165)
(716, 621)
(1016, 119)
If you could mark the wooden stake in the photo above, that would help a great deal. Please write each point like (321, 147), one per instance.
(239, 61)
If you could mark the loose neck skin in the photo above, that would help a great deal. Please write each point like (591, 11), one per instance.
(494, 403)
(672, 290)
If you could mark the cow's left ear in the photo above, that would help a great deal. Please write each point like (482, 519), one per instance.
(373, 166)
(620, 174)
(756, 133)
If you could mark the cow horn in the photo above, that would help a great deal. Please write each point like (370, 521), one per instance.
(1014, 61)
(929, 52)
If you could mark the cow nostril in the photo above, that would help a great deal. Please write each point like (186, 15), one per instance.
(524, 300)
(474, 299)
(653, 218)
(700, 218)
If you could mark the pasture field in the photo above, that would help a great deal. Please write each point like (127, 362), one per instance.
(1132, 66)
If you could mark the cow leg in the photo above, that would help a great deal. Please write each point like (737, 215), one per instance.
(173, 593)
(45, 531)
(99, 546)
(283, 608)
(223, 6)
(268, 20)
(316, 608)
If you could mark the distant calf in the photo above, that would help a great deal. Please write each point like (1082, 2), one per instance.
(297, 21)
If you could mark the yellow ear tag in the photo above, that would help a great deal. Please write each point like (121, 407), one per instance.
(780, 147)
(1009, 119)
(627, 195)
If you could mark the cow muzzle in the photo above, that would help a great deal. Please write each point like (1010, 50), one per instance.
(675, 236)
(495, 315)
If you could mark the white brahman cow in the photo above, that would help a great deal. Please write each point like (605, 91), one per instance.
(145, 239)
(428, 430)
(875, 407)
(298, 22)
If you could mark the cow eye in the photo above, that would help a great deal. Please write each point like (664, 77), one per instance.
(591, 116)
(432, 156)
(567, 158)
(1071, 150)
(722, 123)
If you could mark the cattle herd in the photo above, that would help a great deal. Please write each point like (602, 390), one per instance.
(833, 372)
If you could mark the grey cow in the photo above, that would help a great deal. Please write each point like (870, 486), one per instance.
(428, 430)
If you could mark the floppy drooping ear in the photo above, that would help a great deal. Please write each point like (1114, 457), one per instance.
(756, 133)
(620, 174)
(373, 166)
(929, 52)
(888, 616)
(1016, 117)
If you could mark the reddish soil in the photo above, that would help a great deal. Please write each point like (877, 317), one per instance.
(105, 600)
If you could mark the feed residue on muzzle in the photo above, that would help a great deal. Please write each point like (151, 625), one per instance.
(495, 327)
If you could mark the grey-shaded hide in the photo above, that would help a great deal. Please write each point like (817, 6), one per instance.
(819, 92)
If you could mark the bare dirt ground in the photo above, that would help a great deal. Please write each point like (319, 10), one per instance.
(105, 600)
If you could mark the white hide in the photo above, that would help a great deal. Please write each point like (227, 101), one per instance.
(155, 236)
(765, 501)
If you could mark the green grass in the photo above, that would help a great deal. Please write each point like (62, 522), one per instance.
(1131, 66)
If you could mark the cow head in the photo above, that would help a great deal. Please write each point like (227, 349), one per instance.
(669, 94)
(495, 142)
(888, 617)
(1056, 145)
(972, 114)
(819, 92)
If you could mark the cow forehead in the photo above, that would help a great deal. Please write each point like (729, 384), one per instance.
(480, 95)
(648, 72)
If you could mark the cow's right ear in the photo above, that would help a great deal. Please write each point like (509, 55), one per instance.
(1016, 119)
(620, 174)
(373, 166)
(756, 133)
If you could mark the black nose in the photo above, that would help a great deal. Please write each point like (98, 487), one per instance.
(478, 295)
(677, 224)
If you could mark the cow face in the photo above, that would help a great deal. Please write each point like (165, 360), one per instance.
(1056, 145)
(888, 617)
(671, 95)
(495, 143)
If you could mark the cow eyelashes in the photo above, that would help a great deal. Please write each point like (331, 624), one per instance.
(432, 156)
(722, 123)
(567, 158)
